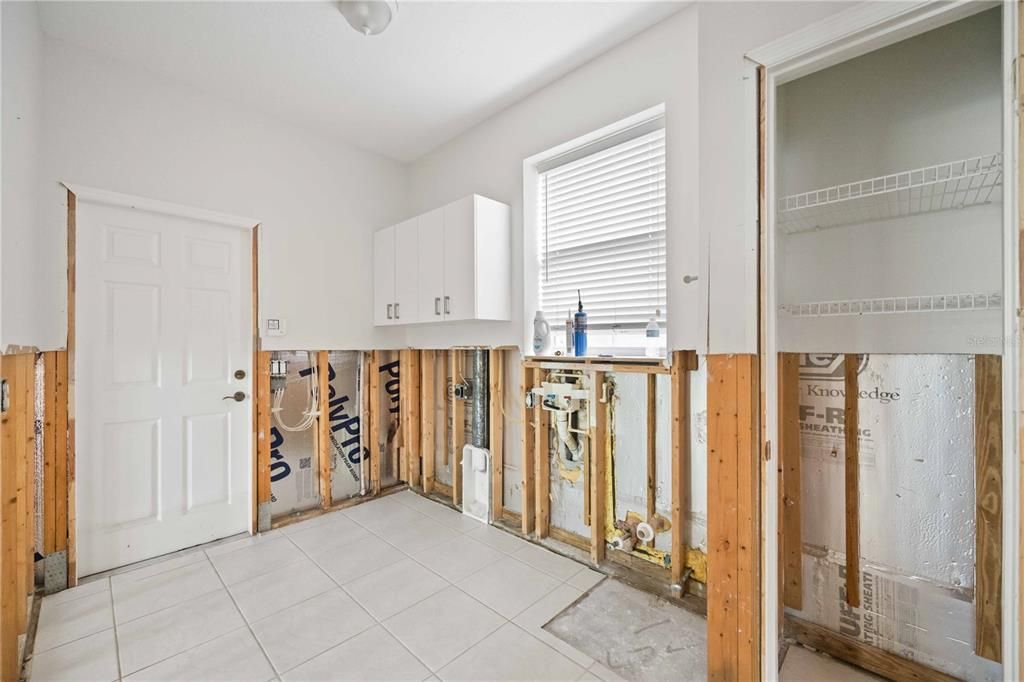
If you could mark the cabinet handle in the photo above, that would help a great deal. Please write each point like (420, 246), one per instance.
(397, 316)
(437, 305)
(447, 305)
(389, 312)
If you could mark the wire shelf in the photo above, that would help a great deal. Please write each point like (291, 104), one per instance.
(896, 304)
(957, 184)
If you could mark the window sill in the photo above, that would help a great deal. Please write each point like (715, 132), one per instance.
(598, 362)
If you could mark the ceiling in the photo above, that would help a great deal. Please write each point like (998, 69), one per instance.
(438, 70)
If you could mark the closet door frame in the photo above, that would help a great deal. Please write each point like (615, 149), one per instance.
(846, 35)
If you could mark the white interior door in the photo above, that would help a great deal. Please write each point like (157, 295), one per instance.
(163, 322)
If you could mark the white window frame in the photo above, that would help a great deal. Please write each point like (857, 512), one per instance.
(531, 226)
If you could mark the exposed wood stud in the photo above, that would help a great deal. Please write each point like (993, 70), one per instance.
(542, 462)
(497, 432)
(401, 446)
(72, 241)
(446, 396)
(49, 452)
(652, 449)
(62, 445)
(875, 660)
(598, 466)
(733, 592)
(263, 428)
(526, 431)
(458, 429)
(683, 363)
(428, 388)
(633, 366)
(588, 447)
(373, 388)
(364, 422)
(413, 453)
(325, 451)
(852, 489)
(988, 479)
(789, 454)
(22, 393)
(8, 545)
(749, 518)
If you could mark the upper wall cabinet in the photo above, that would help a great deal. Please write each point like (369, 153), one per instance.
(452, 263)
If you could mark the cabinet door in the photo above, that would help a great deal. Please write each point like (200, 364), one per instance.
(384, 276)
(459, 260)
(406, 272)
(431, 273)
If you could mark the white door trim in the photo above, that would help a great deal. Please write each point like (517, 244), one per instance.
(859, 30)
(102, 196)
(856, 31)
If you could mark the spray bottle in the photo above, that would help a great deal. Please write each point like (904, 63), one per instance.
(580, 328)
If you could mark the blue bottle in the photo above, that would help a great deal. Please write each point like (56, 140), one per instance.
(579, 324)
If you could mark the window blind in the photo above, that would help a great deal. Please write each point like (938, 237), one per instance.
(602, 220)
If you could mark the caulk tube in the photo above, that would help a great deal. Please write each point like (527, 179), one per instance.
(579, 336)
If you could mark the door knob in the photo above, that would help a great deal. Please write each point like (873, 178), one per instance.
(237, 396)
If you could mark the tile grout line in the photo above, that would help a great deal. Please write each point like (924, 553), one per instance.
(245, 620)
(464, 533)
(373, 619)
(194, 646)
(171, 606)
(113, 617)
(449, 584)
(376, 621)
(261, 573)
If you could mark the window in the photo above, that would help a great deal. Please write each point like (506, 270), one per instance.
(602, 233)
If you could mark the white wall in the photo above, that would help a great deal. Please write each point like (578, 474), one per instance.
(19, 146)
(729, 30)
(111, 126)
(693, 63)
(654, 67)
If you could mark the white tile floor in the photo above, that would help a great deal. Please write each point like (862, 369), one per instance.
(399, 588)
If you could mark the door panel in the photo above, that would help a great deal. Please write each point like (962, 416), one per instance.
(431, 266)
(163, 320)
(384, 276)
(407, 272)
(460, 259)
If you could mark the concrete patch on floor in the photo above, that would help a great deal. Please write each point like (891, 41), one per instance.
(637, 635)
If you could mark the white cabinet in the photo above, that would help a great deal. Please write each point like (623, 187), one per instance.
(452, 263)
(431, 266)
(406, 272)
(460, 249)
(384, 276)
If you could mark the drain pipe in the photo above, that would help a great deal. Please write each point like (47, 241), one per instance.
(479, 428)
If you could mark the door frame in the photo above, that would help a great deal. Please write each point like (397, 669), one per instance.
(76, 193)
(848, 34)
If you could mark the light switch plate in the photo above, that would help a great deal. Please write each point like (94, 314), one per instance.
(274, 326)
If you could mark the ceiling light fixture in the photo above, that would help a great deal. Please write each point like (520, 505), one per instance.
(369, 17)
